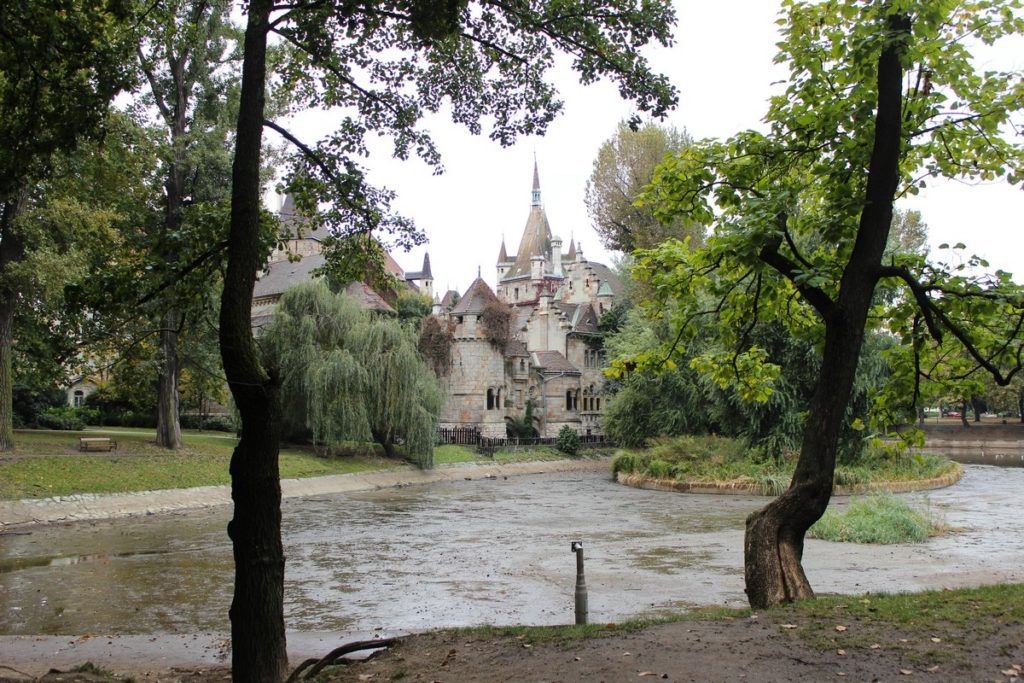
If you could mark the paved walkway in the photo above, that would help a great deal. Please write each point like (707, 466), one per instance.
(87, 506)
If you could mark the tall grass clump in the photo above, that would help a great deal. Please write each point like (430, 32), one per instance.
(878, 518)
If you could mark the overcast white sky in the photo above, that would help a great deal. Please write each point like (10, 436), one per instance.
(722, 65)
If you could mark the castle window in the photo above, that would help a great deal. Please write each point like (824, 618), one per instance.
(79, 398)
(598, 406)
(490, 399)
(568, 400)
(522, 365)
(516, 290)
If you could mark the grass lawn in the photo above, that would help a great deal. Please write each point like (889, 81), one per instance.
(48, 463)
(448, 454)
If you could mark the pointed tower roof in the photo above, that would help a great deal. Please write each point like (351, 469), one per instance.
(571, 254)
(287, 206)
(536, 239)
(425, 273)
(475, 299)
(536, 183)
(503, 255)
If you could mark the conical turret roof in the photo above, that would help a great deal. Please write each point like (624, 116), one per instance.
(536, 240)
(475, 299)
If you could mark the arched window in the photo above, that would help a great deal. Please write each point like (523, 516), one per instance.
(79, 397)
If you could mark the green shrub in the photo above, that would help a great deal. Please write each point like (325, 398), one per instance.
(216, 423)
(568, 441)
(65, 417)
(29, 402)
(659, 469)
(878, 518)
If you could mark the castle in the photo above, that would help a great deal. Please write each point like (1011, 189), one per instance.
(553, 357)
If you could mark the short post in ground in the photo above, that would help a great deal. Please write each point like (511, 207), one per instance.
(581, 584)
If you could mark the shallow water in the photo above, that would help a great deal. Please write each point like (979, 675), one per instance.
(471, 552)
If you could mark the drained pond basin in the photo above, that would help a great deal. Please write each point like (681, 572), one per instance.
(492, 551)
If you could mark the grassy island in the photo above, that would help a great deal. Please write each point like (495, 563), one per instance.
(715, 462)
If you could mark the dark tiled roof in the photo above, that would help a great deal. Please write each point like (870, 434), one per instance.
(367, 298)
(502, 255)
(284, 274)
(476, 297)
(296, 226)
(449, 298)
(516, 348)
(281, 275)
(585, 319)
(553, 361)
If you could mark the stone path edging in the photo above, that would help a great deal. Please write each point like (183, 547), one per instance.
(751, 489)
(93, 506)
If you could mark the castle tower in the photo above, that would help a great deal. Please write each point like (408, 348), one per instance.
(426, 277)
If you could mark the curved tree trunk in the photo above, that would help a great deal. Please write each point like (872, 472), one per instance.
(168, 422)
(774, 541)
(258, 651)
(385, 441)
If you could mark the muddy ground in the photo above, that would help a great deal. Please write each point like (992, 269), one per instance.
(781, 645)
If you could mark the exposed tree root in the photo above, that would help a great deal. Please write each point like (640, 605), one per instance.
(315, 666)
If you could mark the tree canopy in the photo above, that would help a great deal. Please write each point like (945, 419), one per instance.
(881, 97)
(350, 375)
(624, 166)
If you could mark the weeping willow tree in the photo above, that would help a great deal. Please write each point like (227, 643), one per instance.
(349, 375)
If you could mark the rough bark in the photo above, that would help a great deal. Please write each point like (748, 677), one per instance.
(12, 250)
(774, 542)
(168, 421)
(258, 651)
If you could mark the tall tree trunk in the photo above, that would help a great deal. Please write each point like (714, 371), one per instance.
(257, 609)
(963, 414)
(12, 250)
(774, 541)
(976, 406)
(168, 421)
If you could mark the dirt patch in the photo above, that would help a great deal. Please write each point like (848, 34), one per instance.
(760, 648)
(780, 645)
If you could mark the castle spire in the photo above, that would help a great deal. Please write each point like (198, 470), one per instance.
(536, 183)
(503, 254)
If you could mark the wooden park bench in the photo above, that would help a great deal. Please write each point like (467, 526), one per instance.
(96, 443)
